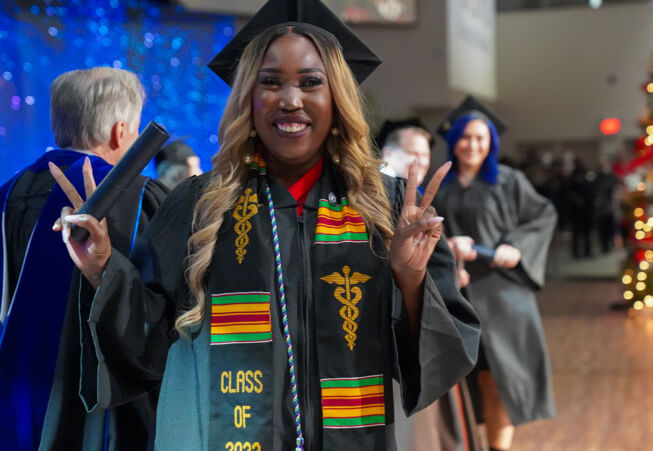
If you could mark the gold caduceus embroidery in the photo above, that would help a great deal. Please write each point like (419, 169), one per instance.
(352, 296)
(246, 207)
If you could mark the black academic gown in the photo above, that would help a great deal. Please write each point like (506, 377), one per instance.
(512, 337)
(198, 408)
(65, 424)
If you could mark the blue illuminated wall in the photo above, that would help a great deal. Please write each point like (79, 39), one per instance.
(166, 46)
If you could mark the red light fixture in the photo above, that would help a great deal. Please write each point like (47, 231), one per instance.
(610, 126)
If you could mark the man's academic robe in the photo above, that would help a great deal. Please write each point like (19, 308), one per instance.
(40, 407)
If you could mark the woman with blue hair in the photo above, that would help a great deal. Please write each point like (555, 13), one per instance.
(501, 227)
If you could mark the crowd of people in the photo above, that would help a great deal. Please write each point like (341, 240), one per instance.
(270, 303)
(586, 199)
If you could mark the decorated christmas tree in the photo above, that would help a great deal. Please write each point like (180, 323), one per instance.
(637, 214)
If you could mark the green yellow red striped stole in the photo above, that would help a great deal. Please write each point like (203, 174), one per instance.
(355, 402)
(339, 224)
(240, 318)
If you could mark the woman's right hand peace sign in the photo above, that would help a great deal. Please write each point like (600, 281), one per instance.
(92, 255)
(418, 229)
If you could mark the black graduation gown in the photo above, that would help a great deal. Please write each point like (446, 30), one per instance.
(66, 425)
(512, 337)
(127, 360)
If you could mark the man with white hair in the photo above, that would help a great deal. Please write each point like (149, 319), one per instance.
(95, 115)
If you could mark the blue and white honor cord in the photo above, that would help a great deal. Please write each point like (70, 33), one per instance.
(284, 319)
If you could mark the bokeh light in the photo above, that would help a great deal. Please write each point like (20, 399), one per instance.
(166, 46)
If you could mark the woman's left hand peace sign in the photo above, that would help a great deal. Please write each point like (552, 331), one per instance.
(418, 229)
(92, 255)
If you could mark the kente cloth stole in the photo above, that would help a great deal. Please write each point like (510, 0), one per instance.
(343, 382)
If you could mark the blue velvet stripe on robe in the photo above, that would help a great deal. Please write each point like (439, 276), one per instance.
(29, 339)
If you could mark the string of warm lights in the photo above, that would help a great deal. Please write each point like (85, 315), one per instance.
(635, 278)
(649, 127)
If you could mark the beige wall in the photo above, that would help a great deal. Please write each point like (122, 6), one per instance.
(413, 76)
(562, 70)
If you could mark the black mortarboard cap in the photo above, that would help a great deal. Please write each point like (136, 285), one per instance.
(390, 126)
(177, 152)
(361, 59)
(471, 106)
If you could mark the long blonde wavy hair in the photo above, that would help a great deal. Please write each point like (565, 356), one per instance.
(358, 167)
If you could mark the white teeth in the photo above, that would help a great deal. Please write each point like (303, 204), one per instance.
(291, 128)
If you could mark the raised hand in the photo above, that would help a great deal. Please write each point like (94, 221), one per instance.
(90, 256)
(418, 230)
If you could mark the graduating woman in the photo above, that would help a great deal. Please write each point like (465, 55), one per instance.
(496, 208)
(276, 297)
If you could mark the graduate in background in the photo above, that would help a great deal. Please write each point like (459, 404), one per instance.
(403, 143)
(446, 424)
(300, 279)
(496, 207)
(95, 115)
(176, 162)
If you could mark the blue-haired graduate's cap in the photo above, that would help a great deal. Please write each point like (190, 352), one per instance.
(360, 58)
(471, 106)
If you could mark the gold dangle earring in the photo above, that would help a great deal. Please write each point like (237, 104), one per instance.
(247, 158)
(334, 156)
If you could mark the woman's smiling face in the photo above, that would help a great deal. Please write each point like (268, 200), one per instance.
(292, 105)
(473, 146)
